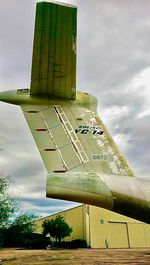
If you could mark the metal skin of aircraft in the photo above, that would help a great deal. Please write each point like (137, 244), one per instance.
(82, 160)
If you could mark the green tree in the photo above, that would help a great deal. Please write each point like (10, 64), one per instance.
(14, 226)
(57, 228)
(20, 230)
(7, 203)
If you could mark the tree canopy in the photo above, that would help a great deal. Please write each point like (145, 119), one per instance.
(57, 228)
(14, 226)
(8, 203)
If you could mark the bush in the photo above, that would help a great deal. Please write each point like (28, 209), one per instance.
(65, 244)
(37, 241)
(76, 243)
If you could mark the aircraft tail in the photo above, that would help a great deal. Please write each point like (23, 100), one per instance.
(54, 51)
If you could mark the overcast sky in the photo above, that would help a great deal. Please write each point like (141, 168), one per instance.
(113, 64)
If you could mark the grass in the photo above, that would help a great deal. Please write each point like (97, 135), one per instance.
(71, 257)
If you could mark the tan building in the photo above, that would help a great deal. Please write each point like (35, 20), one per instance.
(102, 228)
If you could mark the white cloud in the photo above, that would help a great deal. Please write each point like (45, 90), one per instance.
(111, 114)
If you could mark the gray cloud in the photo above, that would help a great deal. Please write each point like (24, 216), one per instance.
(118, 36)
(116, 68)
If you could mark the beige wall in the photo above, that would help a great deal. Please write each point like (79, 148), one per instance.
(75, 217)
(102, 228)
(108, 229)
(147, 234)
(137, 235)
(117, 235)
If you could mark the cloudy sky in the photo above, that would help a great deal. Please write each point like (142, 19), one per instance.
(113, 64)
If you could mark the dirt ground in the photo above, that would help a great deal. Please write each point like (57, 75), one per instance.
(71, 257)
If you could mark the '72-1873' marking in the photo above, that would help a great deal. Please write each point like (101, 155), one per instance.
(89, 130)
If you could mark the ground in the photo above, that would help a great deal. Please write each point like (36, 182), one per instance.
(71, 257)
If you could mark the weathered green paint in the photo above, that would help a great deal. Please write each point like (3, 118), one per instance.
(81, 158)
(86, 186)
(54, 51)
(13, 97)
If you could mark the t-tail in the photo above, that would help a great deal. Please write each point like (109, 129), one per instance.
(81, 158)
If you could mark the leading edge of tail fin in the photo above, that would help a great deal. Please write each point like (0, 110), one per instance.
(54, 51)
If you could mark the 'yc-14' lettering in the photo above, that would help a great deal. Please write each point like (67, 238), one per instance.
(89, 130)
